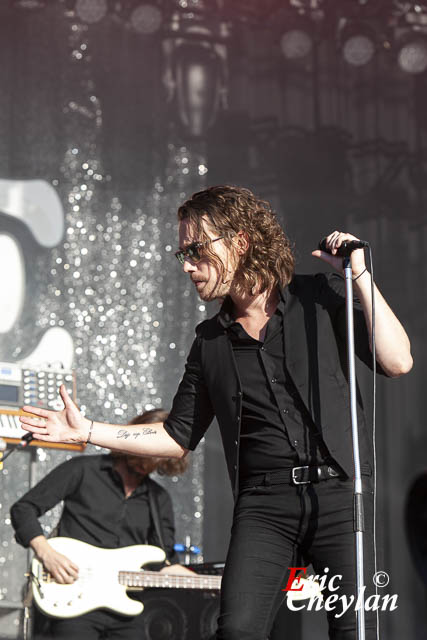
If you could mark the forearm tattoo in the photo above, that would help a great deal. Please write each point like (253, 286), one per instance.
(124, 433)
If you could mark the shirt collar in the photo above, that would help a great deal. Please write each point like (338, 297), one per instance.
(225, 314)
(107, 461)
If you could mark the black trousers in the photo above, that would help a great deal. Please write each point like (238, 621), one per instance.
(96, 625)
(277, 526)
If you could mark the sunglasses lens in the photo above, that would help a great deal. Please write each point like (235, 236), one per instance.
(193, 253)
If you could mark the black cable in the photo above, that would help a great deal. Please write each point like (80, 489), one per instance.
(374, 425)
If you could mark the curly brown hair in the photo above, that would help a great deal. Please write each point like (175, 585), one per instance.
(163, 466)
(269, 259)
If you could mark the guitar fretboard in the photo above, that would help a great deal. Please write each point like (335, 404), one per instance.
(140, 579)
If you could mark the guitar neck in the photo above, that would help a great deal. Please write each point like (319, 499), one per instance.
(135, 580)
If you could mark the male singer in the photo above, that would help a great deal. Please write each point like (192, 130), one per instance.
(271, 366)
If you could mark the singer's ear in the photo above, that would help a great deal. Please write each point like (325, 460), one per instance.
(241, 242)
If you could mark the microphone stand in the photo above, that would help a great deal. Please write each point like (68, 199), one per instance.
(359, 524)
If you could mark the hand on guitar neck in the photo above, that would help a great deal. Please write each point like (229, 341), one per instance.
(61, 568)
(176, 570)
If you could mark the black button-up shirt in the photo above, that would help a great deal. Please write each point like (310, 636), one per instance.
(96, 509)
(277, 431)
(315, 341)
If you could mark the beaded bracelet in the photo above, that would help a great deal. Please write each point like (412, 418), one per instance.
(360, 274)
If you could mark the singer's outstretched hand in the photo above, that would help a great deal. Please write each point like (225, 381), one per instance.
(68, 425)
(333, 242)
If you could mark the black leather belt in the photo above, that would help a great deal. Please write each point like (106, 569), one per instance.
(293, 475)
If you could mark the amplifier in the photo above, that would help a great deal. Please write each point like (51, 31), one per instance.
(176, 614)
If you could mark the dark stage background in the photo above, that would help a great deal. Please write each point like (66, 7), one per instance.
(116, 121)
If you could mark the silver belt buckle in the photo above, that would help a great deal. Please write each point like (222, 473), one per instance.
(294, 479)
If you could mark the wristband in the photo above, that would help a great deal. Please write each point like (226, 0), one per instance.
(90, 433)
(360, 274)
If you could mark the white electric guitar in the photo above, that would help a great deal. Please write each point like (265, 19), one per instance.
(104, 577)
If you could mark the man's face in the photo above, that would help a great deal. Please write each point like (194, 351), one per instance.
(210, 281)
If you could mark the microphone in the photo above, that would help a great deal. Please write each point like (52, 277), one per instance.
(25, 440)
(347, 247)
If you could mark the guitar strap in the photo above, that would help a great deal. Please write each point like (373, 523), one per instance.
(155, 515)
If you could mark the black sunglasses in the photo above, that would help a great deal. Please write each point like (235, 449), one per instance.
(192, 252)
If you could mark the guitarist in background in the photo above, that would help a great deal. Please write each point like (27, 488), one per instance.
(111, 502)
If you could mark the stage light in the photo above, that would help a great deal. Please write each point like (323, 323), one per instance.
(146, 19)
(198, 86)
(412, 52)
(358, 50)
(91, 11)
(296, 30)
(296, 41)
(296, 44)
(358, 42)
